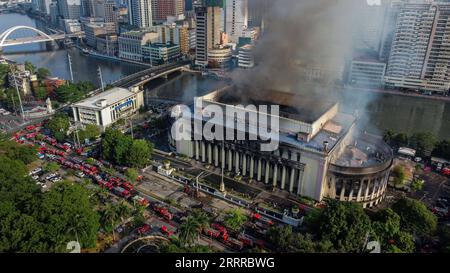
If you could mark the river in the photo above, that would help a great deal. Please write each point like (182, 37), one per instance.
(378, 111)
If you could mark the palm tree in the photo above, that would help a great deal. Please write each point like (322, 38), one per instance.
(202, 219)
(110, 214)
(188, 231)
(123, 210)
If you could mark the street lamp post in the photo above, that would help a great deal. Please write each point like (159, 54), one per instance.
(18, 94)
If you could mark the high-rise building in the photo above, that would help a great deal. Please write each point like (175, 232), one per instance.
(54, 13)
(369, 26)
(161, 9)
(106, 9)
(236, 19)
(69, 9)
(392, 9)
(257, 9)
(420, 55)
(174, 34)
(41, 5)
(208, 29)
(140, 13)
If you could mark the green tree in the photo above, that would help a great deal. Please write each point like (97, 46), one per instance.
(399, 175)
(423, 143)
(52, 167)
(139, 153)
(109, 217)
(281, 237)
(116, 146)
(68, 93)
(68, 215)
(234, 219)
(58, 126)
(16, 151)
(188, 231)
(415, 217)
(345, 225)
(131, 174)
(442, 149)
(42, 73)
(401, 140)
(91, 132)
(30, 67)
(41, 93)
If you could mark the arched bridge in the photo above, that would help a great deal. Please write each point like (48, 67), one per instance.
(41, 37)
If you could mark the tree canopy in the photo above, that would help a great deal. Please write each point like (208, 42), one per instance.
(345, 225)
(415, 217)
(58, 126)
(123, 150)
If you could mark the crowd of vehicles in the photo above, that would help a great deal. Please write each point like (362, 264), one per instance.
(68, 157)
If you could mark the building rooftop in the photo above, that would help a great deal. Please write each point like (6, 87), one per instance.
(105, 99)
(292, 106)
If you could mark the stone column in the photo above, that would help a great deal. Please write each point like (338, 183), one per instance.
(209, 153)
(361, 184)
(283, 177)
(222, 157)
(275, 175)
(203, 151)
(197, 150)
(291, 180)
(366, 195)
(244, 164)
(216, 156)
(236, 162)
(266, 178)
(252, 163)
(299, 185)
(259, 170)
(230, 159)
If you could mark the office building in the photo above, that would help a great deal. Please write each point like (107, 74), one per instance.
(107, 44)
(208, 33)
(108, 107)
(236, 19)
(93, 30)
(161, 9)
(245, 56)
(140, 13)
(174, 34)
(159, 53)
(419, 57)
(69, 9)
(130, 44)
(367, 72)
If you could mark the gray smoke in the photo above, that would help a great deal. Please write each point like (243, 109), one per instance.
(300, 38)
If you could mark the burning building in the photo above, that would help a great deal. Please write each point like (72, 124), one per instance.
(320, 152)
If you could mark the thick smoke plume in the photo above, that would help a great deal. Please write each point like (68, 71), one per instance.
(300, 38)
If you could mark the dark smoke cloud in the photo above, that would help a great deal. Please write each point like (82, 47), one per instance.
(300, 35)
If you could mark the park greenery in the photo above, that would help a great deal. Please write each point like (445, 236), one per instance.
(399, 175)
(33, 221)
(72, 92)
(234, 219)
(191, 227)
(58, 126)
(425, 143)
(123, 150)
(131, 174)
(90, 132)
(345, 227)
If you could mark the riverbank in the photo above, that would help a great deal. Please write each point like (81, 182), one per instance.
(107, 57)
(400, 93)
